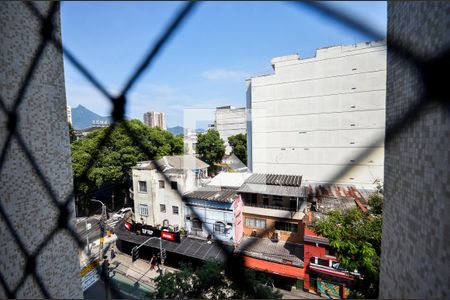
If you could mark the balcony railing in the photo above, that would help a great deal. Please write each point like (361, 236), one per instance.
(270, 206)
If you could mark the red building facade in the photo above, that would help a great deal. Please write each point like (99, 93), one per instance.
(322, 273)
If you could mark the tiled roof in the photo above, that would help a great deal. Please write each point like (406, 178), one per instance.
(288, 191)
(318, 191)
(212, 194)
(177, 162)
(336, 196)
(184, 162)
(275, 179)
(267, 250)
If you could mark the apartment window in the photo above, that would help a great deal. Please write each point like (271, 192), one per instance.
(196, 224)
(265, 200)
(293, 203)
(219, 227)
(253, 199)
(173, 184)
(143, 209)
(255, 223)
(142, 187)
(277, 198)
(161, 184)
(162, 208)
(330, 252)
(286, 226)
(175, 210)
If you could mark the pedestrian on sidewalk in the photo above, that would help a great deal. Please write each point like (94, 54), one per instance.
(113, 254)
(153, 262)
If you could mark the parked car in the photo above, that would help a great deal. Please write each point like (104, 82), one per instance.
(121, 213)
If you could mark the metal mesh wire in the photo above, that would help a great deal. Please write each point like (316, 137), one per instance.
(429, 70)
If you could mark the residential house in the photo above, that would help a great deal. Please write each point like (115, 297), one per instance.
(214, 213)
(273, 207)
(158, 186)
(322, 273)
(231, 163)
(273, 227)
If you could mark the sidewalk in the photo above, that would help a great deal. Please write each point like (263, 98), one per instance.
(138, 271)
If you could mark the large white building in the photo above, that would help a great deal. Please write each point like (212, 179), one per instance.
(315, 116)
(230, 121)
(155, 119)
(69, 114)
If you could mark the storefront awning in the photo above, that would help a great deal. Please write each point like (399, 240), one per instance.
(274, 268)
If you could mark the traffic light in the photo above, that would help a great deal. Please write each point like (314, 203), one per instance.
(134, 254)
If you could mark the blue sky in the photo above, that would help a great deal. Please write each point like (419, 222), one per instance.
(205, 64)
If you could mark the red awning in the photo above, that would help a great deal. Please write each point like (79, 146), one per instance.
(274, 268)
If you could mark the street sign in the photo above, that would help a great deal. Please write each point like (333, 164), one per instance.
(88, 280)
(89, 274)
(134, 254)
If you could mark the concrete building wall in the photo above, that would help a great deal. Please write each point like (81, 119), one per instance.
(157, 195)
(210, 212)
(238, 219)
(230, 121)
(295, 237)
(415, 255)
(313, 116)
(43, 125)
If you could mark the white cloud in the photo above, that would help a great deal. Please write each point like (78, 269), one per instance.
(224, 74)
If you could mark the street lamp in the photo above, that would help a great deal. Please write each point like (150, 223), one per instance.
(102, 224)
(136, 248)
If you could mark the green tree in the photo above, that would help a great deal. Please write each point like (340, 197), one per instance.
(376, 200)
(118, 154)
(356, 238)
(210, 147)
(210, 282)
(239, 144)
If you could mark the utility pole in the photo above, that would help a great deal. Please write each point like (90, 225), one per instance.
(88, 227)
(103, 219)
(161, 255)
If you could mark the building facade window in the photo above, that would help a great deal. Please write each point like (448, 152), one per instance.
(219, 228)
(161, 184)
(330, 252)
(173, 184)
(196, 224)
(143, 209)
(253, 199)
(293, 203)
(142, 187)
(265, 199)
(255, 223)
(286, 226)
(175, 210)
(162, 208)
(277, 198)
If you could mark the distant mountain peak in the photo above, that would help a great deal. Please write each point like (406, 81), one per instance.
(82, 117)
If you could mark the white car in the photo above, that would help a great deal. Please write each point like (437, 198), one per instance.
(121, 213)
